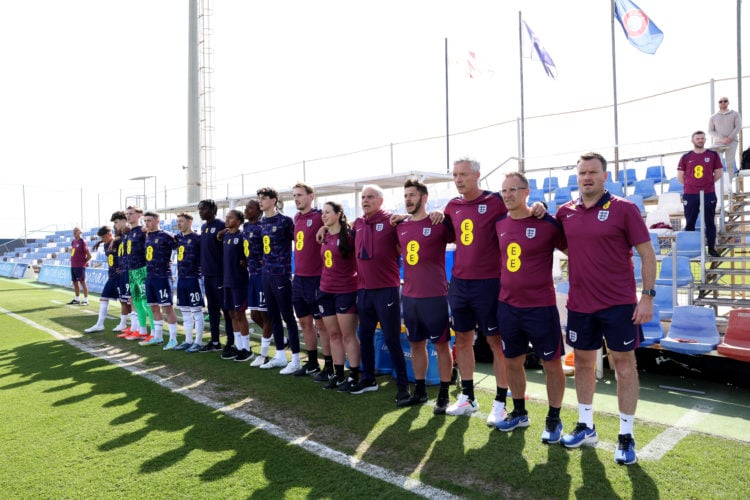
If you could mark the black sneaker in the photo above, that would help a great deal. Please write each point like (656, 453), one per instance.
(229, 352)
(364, 386)
(324, 375)
(347, 385)
(306, 370)
(415, 399)
(243, 355)
(74, 302)
(211, 347)
(713, 253)
(403, 397)
(441, 405)
(334, 383)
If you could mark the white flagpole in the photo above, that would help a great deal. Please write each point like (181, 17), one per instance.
(614, 90)
(522, 139)
(447, 130)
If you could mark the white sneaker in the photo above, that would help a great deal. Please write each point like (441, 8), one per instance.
(95, 328)
(274, 363)
(85, 302)
(497, 414)
(464, 406)
(291, 368)
(119, 327)
(259, 360)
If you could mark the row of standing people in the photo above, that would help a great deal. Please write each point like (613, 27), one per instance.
(348, 275)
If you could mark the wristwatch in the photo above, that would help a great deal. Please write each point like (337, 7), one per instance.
(650, 292)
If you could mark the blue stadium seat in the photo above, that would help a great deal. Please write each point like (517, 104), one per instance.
(689, 243)
(637, 265)
(656, 174)
(551, 207)
(684, 273)
(646, 189)
(562, 195)
(629, 176)
(664, 300)
(532, 184)
(693, 331)
(573, 182)
(550, 184)
(674, 186)
(638, 201)
(535, 195)
(614, 188)
(655, 242)
(652, 331)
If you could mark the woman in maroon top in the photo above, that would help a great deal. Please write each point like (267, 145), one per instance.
(338, 295)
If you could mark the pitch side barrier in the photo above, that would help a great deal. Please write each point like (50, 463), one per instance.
(12, 269)
(60, 276)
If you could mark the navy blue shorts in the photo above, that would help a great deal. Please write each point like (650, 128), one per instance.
(235, 299)
(615, 324)
(304, 296)
(189, 292)
(123, 286)
(159, 291)
(474, 303)
(110, 288)
(539, 326)
(330, 304)
(426, 318)
(78, 274)
(256, 301)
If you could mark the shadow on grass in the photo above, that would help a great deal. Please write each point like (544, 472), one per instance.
(158, 412)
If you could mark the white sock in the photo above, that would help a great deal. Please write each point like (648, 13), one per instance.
(626, 424)
(295, 358)
(159, 330)
(199, 321)
(281, 355)
(586, 415)
(264, 345)
(134, 321)
(123, 320)
(143, 329)
(78, 298)
(244, 341)
(187, 324)
(103, 307)
(172, 327)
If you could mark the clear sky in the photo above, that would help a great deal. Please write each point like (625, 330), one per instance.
(94, 92)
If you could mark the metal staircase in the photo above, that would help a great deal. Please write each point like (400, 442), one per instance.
(728, 277)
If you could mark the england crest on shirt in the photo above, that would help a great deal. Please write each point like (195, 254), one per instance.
(236, 240)
(309, 222)
(707, 159)
(603, 215)
(482, 208)
(530, 232)
(379, 226)
(213, 230)
(426, 231)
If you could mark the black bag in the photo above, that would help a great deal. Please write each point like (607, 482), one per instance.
(745, 160)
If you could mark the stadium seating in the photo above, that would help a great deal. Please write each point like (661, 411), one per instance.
(646, 189)
(736, 344)
(693, 331)
(536, 195)
(638, 201)
(652, 331)
(664, 300)
(532, 184)
(562, 195)
(550, 184)
(674, 186)
(614, 188)
(656, 174)
(637, 265)
(573, 182)
(684, 273)
(628, 177)
(688, 244)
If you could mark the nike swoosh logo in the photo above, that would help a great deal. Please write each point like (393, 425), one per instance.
(491, 328)
(280, 287)
(390, 304)
(342, 309)
(568, 216)
(458, 212)
(403, 234)
(548, 353)
(502, 234)
(628, 342)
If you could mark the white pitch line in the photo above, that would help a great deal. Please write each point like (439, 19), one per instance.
(668, 439)
(409, 484)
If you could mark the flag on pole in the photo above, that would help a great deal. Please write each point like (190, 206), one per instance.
(537, 51)
(641, 32)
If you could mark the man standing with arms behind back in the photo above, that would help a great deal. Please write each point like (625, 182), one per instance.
(601, 230)
(698, 171)
(724, 127)
(79, 258)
